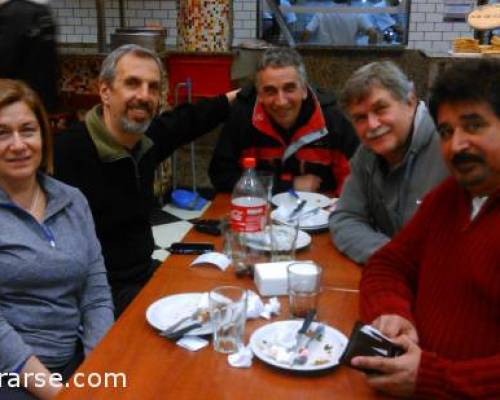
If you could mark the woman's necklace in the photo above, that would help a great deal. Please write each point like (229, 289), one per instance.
(34, 201)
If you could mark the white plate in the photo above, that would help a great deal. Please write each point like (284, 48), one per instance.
(313, 199)
(282, 334)
(168, 310)
(262, 241)
(309, 223)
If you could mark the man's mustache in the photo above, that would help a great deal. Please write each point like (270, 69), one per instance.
(466, 157)
(142, 106)
(381, 130)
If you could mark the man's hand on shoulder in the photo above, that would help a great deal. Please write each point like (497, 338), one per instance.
(232, 95)
(392, 326)
(307, 183)
(397, 376)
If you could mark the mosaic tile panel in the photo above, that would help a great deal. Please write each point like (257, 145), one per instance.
(79, 74)
(204, 25)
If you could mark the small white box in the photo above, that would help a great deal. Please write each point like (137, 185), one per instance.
(271, 278)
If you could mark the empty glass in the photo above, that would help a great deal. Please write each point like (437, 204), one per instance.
(284, 241)
(228, 305)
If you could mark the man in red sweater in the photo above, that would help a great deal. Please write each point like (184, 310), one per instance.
(435, 288)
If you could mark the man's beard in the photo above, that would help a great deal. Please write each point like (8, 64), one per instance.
(134, 128)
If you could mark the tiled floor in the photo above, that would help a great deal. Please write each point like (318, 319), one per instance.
(170, 224)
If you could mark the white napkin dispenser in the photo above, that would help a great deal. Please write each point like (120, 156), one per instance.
(271, 278)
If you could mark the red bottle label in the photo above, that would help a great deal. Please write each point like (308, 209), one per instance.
(247, 218)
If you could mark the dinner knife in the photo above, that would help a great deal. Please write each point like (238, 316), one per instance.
(310, 212)
(181, 332)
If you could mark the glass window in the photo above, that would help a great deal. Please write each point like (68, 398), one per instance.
(335, 23)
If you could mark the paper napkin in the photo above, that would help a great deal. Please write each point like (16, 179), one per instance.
(218, 259)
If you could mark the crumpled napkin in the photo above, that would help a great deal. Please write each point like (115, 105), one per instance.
(242, 358)
(256, 307)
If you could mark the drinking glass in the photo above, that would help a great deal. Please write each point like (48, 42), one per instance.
(228, 305)
(284, 241)
(245, 249)
(304, 285)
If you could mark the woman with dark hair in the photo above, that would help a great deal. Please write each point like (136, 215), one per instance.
(54, 295)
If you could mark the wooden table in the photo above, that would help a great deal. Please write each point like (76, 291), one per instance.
(159, 369)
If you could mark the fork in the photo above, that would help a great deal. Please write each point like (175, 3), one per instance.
(301, 359)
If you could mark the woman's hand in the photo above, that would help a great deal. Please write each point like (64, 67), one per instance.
(38, 380)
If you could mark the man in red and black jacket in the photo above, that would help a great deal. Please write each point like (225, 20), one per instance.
(293, 130)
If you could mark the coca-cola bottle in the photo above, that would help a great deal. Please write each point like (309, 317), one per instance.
(248, 215)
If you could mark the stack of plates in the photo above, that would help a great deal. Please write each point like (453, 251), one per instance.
(262, 240)
(286, 203)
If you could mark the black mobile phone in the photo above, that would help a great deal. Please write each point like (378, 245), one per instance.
(210, 226)
(190, 248)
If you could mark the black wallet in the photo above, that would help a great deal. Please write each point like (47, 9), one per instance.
(366, 340)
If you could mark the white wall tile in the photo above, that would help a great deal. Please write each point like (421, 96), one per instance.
(250, 6)
(425, 27)
(426, 8)
(418, 17)
(433, 17)
(416, 36)
(442, 27)
(249, 24)
(433, 36)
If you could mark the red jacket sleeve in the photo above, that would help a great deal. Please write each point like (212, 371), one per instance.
(340, 170)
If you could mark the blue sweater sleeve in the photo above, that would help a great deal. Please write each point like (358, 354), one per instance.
(13, 350)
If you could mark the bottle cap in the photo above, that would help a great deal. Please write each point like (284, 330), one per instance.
(249, 162)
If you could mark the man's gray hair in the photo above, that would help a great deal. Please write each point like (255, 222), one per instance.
(384, 74)
(281, 57)
(108, 68)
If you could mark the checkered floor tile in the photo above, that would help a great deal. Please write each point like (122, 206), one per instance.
(170, 224)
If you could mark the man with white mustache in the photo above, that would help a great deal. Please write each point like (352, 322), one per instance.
(397, 164)
(113, 155)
